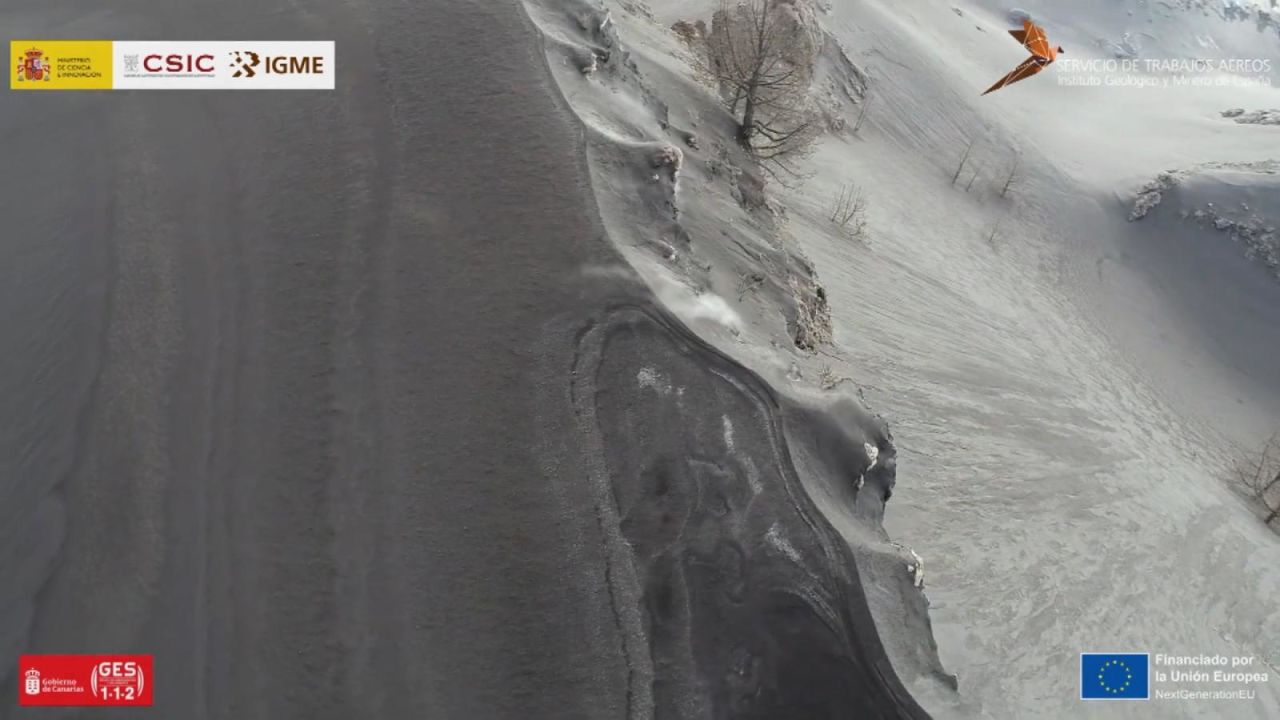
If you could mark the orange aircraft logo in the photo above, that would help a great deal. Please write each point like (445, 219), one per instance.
(1043, 54)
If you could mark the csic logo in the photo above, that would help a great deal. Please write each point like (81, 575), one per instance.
(176, 63)
(248, 64)
(33, 67)
(170, 64)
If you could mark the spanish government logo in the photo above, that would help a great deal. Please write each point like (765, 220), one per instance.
(1115, 676)
(32, 66)
(60, 64)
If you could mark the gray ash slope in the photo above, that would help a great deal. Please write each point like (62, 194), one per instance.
(288, 401)
(1051, 400)
(689, 212)
(1206, 242)
(749, 603)
(268, 410)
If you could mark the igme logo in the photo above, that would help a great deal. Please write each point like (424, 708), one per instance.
(244, 63)
(248, 64)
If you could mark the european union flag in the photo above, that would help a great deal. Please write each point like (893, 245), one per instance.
(1115, 676)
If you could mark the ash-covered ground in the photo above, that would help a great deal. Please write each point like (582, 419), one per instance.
(1068, 389)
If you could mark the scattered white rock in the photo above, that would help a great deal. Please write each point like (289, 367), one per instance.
(775, 538)
(669, 156)
(916, 570)
(648, 377)
(1151, 194)
(794, 374)
(873, 453)
(915, 565)
(690, 32)
(1258, 117)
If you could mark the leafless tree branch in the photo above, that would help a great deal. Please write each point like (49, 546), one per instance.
(963, 159)
(763, 62)
(1013, 175)
(975, 175)
(1259, 477)
(850, 211)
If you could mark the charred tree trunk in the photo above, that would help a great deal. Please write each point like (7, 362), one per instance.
(747, 128)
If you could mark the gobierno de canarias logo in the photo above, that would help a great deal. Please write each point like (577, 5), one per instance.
(85, 680)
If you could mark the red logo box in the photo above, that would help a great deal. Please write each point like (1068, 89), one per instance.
(80, 680)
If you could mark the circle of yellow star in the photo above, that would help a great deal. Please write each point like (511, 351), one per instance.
(1128, 677)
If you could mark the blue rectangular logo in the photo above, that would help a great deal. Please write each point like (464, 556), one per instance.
(1115, 676)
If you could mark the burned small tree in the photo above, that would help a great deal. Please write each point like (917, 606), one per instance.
(994, 235)
(972, 178)
(850, 211)
(963, 160)
(1258, 476)
(1013, 175)
(762, 54)
(749, 282)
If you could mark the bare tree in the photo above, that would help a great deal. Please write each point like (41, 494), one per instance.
(828, 379)
(850, 211)
(1013, 175)
(963, 159)
(995, 231)
(975, 175)
(1259, 477)
(749, 282)
(763, 59)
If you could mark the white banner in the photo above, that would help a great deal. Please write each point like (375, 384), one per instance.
(201, 65)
